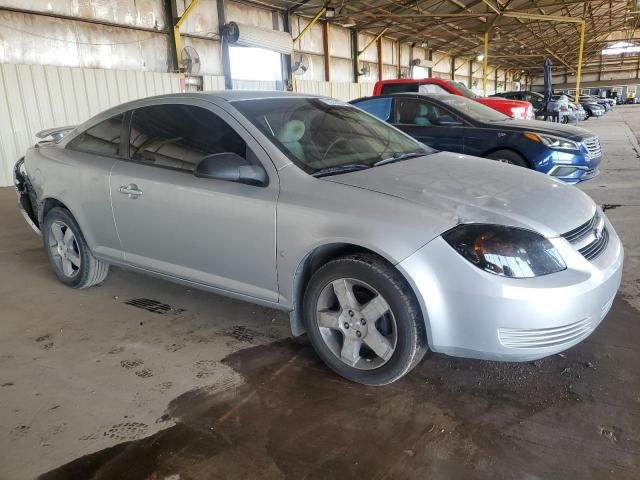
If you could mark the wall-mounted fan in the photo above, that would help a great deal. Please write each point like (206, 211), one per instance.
(365, 70)
(190, 61)
(300, 63)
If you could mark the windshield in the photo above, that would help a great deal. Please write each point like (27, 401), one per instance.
(473, 109)
(322, 134)
(467, 92)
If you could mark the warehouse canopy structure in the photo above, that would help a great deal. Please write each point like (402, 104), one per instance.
(521, 33)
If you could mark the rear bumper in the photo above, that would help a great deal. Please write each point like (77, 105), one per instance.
(26, 195)
(475, 314)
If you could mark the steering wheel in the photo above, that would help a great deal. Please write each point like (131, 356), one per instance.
(330, 147)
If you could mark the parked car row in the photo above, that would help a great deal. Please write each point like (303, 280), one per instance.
(457, 124)
(378, 245)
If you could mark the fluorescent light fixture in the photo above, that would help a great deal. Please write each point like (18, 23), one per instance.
(330, 12)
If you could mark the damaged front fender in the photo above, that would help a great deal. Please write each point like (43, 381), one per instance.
(26, 195)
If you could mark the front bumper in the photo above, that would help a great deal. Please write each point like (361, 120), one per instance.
(475, 314)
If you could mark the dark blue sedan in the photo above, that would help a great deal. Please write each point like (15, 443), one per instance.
(457, 124)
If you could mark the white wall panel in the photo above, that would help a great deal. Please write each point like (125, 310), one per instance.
(35, 97)
(311, 41)
(339, 42)
(341, 70)
(254, 85)
(249, 14)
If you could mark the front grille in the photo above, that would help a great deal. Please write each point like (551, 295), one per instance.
(595, 248)
(545, 337)
(590, 238)
(593, 146)
(582, 231)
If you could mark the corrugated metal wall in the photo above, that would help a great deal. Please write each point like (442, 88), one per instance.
(35, 97)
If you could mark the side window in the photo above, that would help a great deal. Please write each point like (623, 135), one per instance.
(101, 139)
(179, 136)
(431, 88)
(411, 111)
(399, 88)
(379, 107)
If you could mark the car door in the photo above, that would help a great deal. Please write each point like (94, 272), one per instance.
(420, 118)
(213, 232)
(91, 155)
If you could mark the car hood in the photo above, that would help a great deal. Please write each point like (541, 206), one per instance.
(565, 131)
(464, 189)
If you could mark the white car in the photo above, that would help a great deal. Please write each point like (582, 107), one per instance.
(378, 246)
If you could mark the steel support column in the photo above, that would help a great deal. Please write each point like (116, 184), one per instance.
(485, 59)
(326, 47)
(579, 73)
(379, 53)
(224, 46)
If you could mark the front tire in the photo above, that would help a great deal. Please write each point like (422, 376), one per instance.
(363, 320)
(69, 255)
(508, 156)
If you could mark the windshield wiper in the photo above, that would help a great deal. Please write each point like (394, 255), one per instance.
(338, 169)
(398, 157)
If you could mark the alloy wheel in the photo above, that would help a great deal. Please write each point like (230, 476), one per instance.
(356, 323)
(63, 246)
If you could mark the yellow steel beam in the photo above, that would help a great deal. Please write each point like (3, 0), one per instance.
(485, 60)
(311, 23)
(176, 30)
(384, 30)
(187, 12)
(582, 29)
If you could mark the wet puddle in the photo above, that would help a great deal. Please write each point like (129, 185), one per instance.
(450, 418)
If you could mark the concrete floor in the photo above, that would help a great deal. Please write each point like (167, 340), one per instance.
(205, 387)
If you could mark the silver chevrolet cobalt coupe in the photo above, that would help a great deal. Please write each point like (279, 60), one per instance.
(378, 246)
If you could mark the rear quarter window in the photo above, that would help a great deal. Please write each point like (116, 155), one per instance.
(400, 88)
(379, 107)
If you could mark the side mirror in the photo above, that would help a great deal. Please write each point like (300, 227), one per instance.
(232, 168)
(447, 121)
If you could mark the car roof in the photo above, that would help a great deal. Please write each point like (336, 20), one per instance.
(436, 96)
(233, 95)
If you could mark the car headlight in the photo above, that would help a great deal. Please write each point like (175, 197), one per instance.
(552, 141)
(506, 251)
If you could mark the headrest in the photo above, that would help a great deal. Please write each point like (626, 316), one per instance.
(292, 131)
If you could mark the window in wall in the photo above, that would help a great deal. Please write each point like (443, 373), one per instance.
(179, 136)
(257, 64)
(101, 139)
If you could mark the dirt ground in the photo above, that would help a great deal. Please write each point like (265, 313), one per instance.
(143, 379)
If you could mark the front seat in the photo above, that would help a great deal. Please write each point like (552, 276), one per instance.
(424, 115)
(290, 134)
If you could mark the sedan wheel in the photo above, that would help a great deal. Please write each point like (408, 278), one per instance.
(356, 323)
(363, 319)
(68, 252)
(64, 249)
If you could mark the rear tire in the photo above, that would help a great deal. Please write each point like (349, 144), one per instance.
(508, 156)
(363, 320)
(69, 255)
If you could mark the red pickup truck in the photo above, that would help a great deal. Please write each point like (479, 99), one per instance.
(512, 108)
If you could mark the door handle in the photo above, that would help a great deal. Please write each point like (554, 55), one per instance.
(131, 190)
